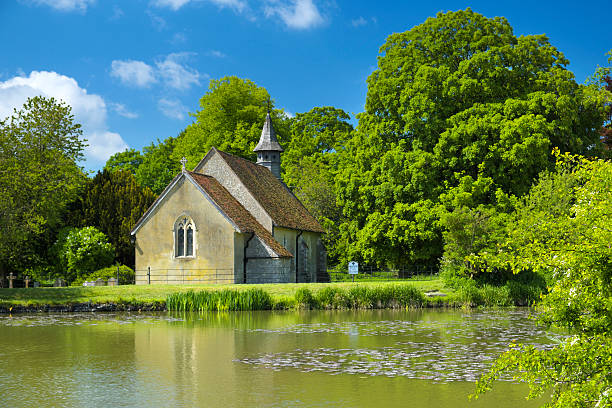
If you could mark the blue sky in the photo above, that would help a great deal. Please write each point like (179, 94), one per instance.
(134, 69)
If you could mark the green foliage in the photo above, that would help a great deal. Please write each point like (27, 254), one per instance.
(79, 251)
(221, 300)
(126, 275)
(158, 167)
(305, 299)
(570, 243)
(310, 165)
(457, 98)
(129, 160)
(113, 202)
(231, 118)
(40, 146)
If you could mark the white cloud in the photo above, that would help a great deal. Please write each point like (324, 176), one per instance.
(122, 110)
(176, 75)
(236, 5)
(178, 38)
(296, 14)
(216, 54)
(172, 108)
(158, 22)
(65, 5)
(358, 22)
(133, 73)
(117, 13)
(173, 4)
(89, 109)
(171, 71)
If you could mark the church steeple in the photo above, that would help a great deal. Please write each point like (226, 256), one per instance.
(268, 149)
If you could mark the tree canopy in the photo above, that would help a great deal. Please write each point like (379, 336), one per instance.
(40, 148)
(231, 118)
(113, 202)
(457, 100)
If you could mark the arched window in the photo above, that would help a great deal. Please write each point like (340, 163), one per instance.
(184, 237)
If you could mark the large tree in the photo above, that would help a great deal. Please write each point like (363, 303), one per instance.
(113, 202)
(40, 148)
(456, 100)
(231, 118)
(310, 164)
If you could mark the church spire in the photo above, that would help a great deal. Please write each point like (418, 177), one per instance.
(268, 149)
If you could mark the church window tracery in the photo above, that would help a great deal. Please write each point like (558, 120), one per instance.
(184, 237)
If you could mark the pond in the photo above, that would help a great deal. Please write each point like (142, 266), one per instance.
(381, 358)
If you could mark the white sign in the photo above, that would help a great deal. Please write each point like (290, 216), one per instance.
(353, 268)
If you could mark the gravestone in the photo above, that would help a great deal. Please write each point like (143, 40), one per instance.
(11, 278)
(59, 283)
(100, 282)
(37, 284)
(112, 282)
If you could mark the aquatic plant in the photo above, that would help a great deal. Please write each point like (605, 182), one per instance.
(221, 300)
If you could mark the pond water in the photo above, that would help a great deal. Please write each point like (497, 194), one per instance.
(384, 358)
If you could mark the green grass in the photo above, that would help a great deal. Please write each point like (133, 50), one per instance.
(159, 293)
(337, 295)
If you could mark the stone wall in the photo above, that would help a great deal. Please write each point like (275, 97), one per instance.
(214, 247)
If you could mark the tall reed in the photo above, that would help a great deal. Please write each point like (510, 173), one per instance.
(226, 299)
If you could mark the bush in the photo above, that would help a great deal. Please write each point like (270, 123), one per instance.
(79, 251)
(126, 275)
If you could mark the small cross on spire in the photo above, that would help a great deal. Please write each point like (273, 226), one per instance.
(183, 162)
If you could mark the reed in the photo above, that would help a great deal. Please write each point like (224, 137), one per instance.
(222, 300)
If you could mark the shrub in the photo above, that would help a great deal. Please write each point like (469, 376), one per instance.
(126, 275)
(79, 251)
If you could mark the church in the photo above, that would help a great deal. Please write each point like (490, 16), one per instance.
(230, 221)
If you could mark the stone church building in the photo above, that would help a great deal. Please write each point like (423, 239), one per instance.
(230, 221)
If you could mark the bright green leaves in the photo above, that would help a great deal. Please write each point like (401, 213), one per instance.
(561, 229)
(231, 118)
(40, 147)
(457, 96)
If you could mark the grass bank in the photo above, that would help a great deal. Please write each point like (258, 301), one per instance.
(339, 295)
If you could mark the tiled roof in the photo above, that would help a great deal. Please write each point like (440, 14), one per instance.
(273, 195)
(236, 212)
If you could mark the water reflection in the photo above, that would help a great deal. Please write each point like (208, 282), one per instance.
(307, 359)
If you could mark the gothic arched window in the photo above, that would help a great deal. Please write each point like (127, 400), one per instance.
(184, 230)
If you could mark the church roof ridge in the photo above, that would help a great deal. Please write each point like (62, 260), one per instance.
(272, 194)
(267, 140)
(245, 221)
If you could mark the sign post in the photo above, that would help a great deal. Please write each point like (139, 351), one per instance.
(353, 269)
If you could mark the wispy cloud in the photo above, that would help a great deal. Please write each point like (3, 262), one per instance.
(361, 21)
(133, 73)
(172, 108)
(175, 74)
(172, 71)
(65, 5)
(216, 54)
(122, 110)
(236, 5)
(296, 14)
(158, 22)
(89, 110)
(117, 13)
(172, 4)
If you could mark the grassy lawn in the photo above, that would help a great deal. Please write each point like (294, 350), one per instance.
(158, 293)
